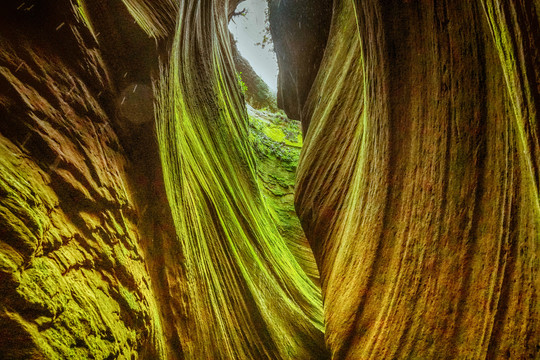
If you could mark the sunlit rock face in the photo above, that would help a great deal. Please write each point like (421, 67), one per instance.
(277, 142)
(123, 239)
(418, 182)
(248, 297)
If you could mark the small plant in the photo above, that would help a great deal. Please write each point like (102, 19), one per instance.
(241, 83)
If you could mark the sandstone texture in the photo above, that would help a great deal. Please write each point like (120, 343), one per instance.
(148, 212)
(418, 181)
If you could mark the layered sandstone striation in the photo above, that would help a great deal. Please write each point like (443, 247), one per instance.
(418, 182)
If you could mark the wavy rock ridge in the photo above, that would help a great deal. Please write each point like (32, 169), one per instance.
(248, 295)
(418, 185)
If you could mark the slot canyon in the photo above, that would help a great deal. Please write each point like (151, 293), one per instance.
(156, 201)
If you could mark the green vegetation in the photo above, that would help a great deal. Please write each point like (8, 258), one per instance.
(241, 83)
(259, 95)
(275, 136)
(277, 142)
(240, 269)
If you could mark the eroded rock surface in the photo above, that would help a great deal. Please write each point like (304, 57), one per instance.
(74, 282)
(417, 187)
(418, 184)
(277, 141)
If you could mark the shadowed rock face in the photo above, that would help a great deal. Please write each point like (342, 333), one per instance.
(299, 30)
(418, 183)
(74, 279)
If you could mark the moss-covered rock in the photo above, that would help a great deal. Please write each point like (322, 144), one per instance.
(277, 141)
(417, 182)
(74, 282)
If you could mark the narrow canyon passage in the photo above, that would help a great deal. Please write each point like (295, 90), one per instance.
(275, 138)
(148, 179)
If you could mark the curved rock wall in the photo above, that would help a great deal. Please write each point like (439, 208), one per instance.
(418, 184)
(247, 294)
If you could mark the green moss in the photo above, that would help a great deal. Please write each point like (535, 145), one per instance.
(241, 83)
(130, 300)
(83, 14)
(506, 36)
(275, 133)
(240, 268)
